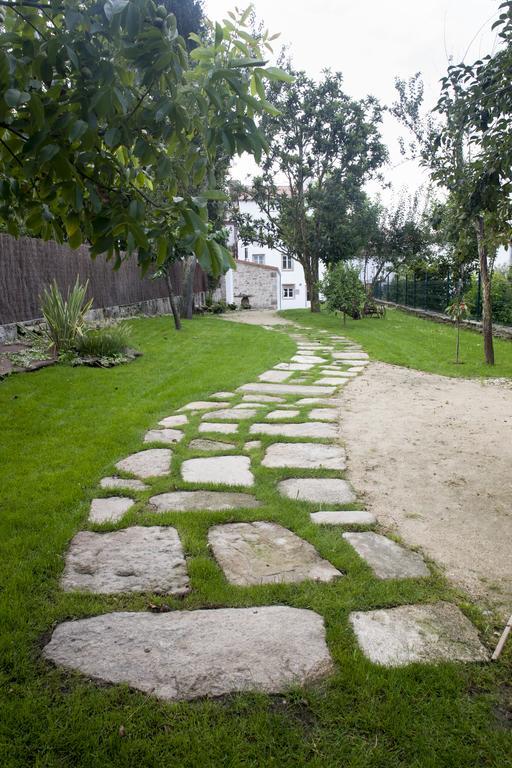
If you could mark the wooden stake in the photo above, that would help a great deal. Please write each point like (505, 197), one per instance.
(502, 640)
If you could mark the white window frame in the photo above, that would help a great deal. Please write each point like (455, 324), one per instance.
(258, 258)
(287, 289)
(286, 259)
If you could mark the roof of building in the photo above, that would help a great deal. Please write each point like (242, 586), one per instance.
(254, 264)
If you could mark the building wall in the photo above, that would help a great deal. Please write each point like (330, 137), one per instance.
(259, 283)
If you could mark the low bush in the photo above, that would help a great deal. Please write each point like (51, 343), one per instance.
(103, 342)
(501, 296)
(65, 317)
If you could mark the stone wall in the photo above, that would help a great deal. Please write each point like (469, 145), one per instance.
(258, 281)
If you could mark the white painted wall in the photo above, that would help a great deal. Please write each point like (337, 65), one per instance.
(291, 279)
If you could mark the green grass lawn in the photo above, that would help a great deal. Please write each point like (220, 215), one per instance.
(62, 430)
(413, 342)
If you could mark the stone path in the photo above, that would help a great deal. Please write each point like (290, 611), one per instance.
(292, 411)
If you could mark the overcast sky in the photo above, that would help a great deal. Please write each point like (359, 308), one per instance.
(371, 42)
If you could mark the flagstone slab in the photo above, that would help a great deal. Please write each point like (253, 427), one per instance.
(109, 510)
(245, 406)
(221, 427)
(122, 482)
(154, 462)
(294, 366)
(343, 517)
(222, 395)
(231, 414)
(287, 389)
(395, 637)
(275, 376)
(263, 399)
(184, 655)
(386, 558)
(350, 354)
(319, 401)
(282, 414)
(202, 444)
(266, 553)
(252, 445)
(136, 559)
(309, 359)
(305, 456)
(226, 470)
(338, 382)
(356, 369)
(337, 374)
(324, 414)
(305, 429)
(163, 436)
(209, 501)
(174, 421)
(317, 490)
(203, 405)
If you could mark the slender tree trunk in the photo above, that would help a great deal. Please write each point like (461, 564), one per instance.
(189, 270)
(174, 303)
(486, 291)
(310, 265)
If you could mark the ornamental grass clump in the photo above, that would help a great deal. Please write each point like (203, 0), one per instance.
(65, 317)
(103, 342)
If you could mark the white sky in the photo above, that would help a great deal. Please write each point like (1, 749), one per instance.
(371, 41)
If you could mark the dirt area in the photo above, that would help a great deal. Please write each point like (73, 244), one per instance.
(256, 317)
(433, 458)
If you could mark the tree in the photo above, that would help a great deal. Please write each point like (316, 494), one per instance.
(190, 18)
(324, 146)
(106, 122)
(343, 290)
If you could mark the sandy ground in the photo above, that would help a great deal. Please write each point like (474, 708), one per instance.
(433, 458)
(256, 317)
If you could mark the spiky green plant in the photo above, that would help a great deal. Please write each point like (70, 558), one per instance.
(65, 317)
(103, 342)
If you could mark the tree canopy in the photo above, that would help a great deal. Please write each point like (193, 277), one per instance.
(108, 125)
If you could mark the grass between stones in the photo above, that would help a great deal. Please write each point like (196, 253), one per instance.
(62, 430)
(413, 342)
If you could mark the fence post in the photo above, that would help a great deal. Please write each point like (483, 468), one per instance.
(406, 291)
(426, 291)
(448, 289)
(414, 291)
(479, 296)
(397, 287)
(387, 292)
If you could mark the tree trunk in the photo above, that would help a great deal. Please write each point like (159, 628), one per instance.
(189, 270)
(174, 304)
(486, 291)
(311, 277)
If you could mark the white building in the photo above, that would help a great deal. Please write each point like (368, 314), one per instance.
(291, 285)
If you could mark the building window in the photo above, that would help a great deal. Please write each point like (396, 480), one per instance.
(258, 258)
(288, 291)
(287, 261)
(246, 253)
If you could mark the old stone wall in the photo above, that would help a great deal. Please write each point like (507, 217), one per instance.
(259, 282)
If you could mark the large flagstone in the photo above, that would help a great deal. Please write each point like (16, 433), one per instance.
(309, 359)
(317, 490)
(386, 558)
(343, 517)
(174, 421)
(305, 456)
(154, 462)
(266, 553)
(225, 470)
(395, 637)
(122, 482)
(305, 429)
(275, 376)
(163, 435)
(209, 501)
(203, 405)
(184, 655)
(262, 398)
(109, 510)
(203, 444)
(231, 414)
(222, 427)
(136, 559)
(308, 390)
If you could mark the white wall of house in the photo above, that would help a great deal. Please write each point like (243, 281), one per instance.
(292, 292)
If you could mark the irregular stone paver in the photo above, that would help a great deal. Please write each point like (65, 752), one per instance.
(231, 414)
(244, 406)
(395, 637)
(306, 429)
(223, 427)
(202, 444)
(350, 355)
(210, 501)
(222, 395)
(174, 421)
(343, 517)
(324, 414)
(109, 510)
(154, 462)
(188, 654)
(287, 389)
(311, 359)
(122, 482)
(262, 398)
(294, 366)
(356, 369)
(305, 456)
(318, 401)
(317, 490)
(226, 470)
(337, 374)
(203, 405)
(163, 436)
(252, 445)
(386, 558)
(282, 414)
(136, 559)
(266, 553)
(338, 382)
(274, 376)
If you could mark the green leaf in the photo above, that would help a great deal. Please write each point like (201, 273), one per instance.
(113, 7)
(215, 194)
(48, 152)
(12, 97)
(275, 73)
(78, 130)
(162, 249)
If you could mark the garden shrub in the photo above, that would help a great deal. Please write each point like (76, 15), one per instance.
(501, 296)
